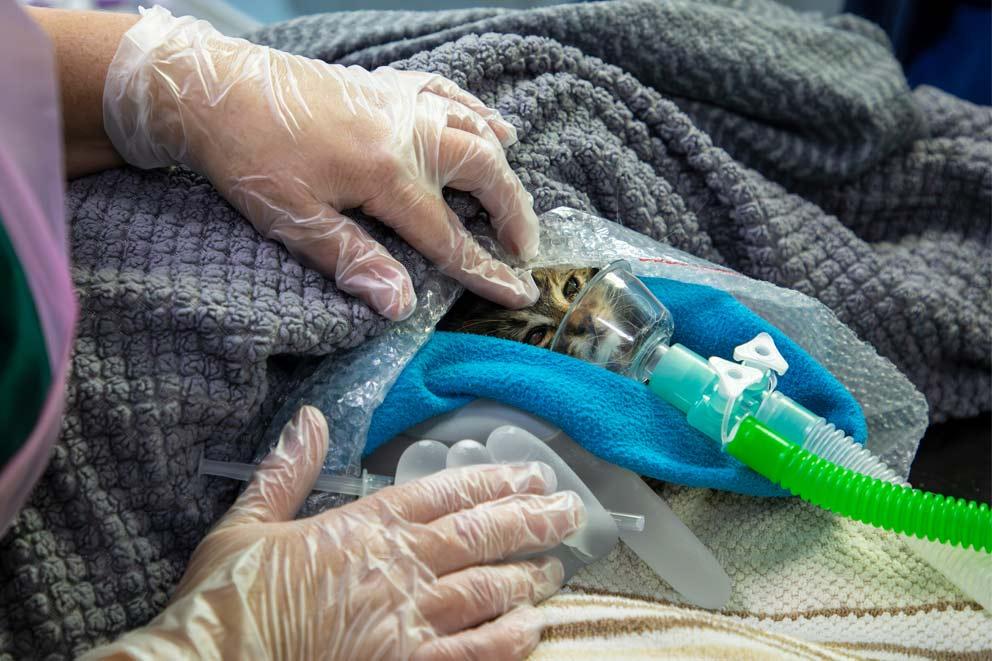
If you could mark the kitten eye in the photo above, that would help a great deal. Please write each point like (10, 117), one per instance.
(571, 288)
(537, 336)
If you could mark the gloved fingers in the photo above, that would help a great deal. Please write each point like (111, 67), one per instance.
(431, 227)
(511, 637)
(338, 247)
(451, 490)
(285, 477)
(470, 164)
(442, 86)
(491, 532)
(472, 596)
(461, 117)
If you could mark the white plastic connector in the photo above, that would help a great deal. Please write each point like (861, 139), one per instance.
(762, 353)
(734, 378)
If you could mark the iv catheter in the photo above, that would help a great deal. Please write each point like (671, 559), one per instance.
(627, 330)
(362, 486)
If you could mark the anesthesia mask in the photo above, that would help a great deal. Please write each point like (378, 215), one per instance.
(617, 323)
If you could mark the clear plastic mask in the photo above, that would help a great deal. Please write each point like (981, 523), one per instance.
(617, 323)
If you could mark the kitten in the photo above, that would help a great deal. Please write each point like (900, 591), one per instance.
(535, 325)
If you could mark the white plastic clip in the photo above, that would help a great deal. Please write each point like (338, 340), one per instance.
(762, 353)
(365, 484)
(734, 378)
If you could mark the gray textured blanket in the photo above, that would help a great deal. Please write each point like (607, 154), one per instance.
(785, 146)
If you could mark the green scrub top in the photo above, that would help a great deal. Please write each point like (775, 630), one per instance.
(25, 374)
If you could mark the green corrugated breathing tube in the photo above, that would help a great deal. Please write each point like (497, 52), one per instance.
(857, 496)
(786, 443)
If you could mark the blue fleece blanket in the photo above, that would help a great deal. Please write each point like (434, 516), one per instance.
(614, 417)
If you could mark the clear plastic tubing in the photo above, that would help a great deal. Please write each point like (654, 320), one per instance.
(968, 569)
(343, 484)
(363, 486)
(820, 437)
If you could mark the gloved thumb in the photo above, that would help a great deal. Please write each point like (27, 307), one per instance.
(283, 480)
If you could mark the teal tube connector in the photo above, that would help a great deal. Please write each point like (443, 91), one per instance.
(682, 378)
(686, 381)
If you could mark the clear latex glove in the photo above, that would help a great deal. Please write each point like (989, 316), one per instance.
(398, 574)
(291, 142)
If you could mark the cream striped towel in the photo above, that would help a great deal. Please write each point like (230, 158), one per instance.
(807, 584)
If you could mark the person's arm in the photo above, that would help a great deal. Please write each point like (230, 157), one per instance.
(85, 43)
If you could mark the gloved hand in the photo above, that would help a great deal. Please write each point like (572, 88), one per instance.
(292, 142)
(398, 574)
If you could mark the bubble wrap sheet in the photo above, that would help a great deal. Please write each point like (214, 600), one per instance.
(348, 387)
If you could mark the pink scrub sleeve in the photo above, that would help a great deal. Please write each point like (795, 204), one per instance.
(32, 211)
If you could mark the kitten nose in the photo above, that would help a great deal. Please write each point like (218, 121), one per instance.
(585, 324)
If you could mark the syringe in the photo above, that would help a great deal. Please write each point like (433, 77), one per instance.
(363, 486)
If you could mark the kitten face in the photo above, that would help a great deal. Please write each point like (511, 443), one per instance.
(535, 325)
